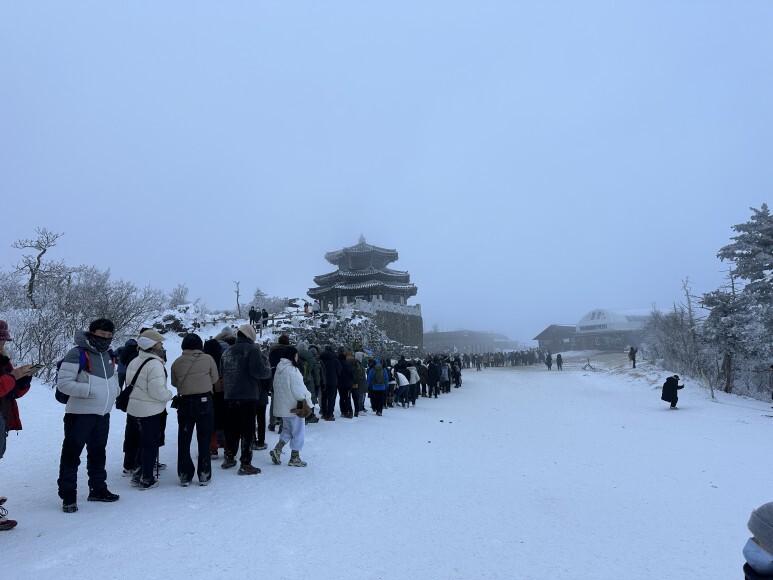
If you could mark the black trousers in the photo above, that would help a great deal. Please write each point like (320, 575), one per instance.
(377, 400)
(261, 417)
(131, 443)
(328, 403)
(240, 417)
(194, 411)
(150, 435)
(345, 401)
(90, 431)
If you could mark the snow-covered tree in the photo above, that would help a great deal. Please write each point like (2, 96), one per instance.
(178, 295)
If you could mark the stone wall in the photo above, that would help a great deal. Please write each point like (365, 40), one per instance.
(407, 329)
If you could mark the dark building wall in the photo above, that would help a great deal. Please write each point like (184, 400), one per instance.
(405, 328)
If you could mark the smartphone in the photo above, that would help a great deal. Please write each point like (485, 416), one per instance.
(35, 369)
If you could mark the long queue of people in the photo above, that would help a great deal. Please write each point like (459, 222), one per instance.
(227, 390)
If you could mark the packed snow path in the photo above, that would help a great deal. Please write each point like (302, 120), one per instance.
(521, 473)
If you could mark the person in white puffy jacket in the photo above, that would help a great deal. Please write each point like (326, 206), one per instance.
(147, 402)
(289, 391)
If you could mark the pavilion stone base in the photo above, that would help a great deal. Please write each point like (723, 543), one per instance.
(407, 329)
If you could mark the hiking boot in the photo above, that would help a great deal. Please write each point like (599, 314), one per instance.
(144, 484)
(276, 456)
(228, 462)
(259, 446)
(248, 469)
(69, 508)
(295, 460)
(102, 495)
(135, 480)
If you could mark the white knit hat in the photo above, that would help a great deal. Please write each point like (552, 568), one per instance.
(248, 331)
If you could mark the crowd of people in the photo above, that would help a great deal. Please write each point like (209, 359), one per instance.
(224, 386)
(226, 389)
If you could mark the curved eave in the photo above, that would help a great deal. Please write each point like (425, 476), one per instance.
(342, 287)
(378, 274)
(335, 257)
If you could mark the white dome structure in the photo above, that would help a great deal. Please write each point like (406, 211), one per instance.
(611, 329)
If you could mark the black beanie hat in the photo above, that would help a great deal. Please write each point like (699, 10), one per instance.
(192, 342)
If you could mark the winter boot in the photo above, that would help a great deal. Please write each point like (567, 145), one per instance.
(295, 460)
(102, 495)
(148, 484)
(248, 469)
(276, 453)
(5, 523)
(228, 462)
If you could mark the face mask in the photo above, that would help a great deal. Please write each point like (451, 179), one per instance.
(160, 352)
(100, 343)
(759, 559)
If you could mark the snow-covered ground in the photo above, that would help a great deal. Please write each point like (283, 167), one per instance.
(522, 473)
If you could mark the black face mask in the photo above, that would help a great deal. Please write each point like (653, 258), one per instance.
(100, 343)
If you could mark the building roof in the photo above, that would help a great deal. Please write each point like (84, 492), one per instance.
(557, 331)
(359, 251)
(385, 274)
(609, 320)
(369, 285)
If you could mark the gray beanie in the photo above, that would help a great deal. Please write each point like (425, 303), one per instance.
(761, 524)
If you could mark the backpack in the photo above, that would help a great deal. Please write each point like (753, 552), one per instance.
(84, 363)
(444, 373)
(378, 376)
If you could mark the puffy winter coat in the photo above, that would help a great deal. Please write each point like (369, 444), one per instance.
(242, 366)
(414, 378)
(91, 392)
(149, 395)
(670, 388)
(377, 387)
(288, 389)
(10, 390)
(194, 373)
(311, 377)
(331, 367)
(346, 377)
(433, 373)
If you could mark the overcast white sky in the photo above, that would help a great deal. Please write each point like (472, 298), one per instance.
(530, 161)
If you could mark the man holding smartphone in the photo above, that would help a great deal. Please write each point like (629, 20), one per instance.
(14, 383)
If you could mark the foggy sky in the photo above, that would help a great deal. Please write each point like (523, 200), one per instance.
(530, 161)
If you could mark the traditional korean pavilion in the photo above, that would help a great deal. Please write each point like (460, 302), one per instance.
(362, 274)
